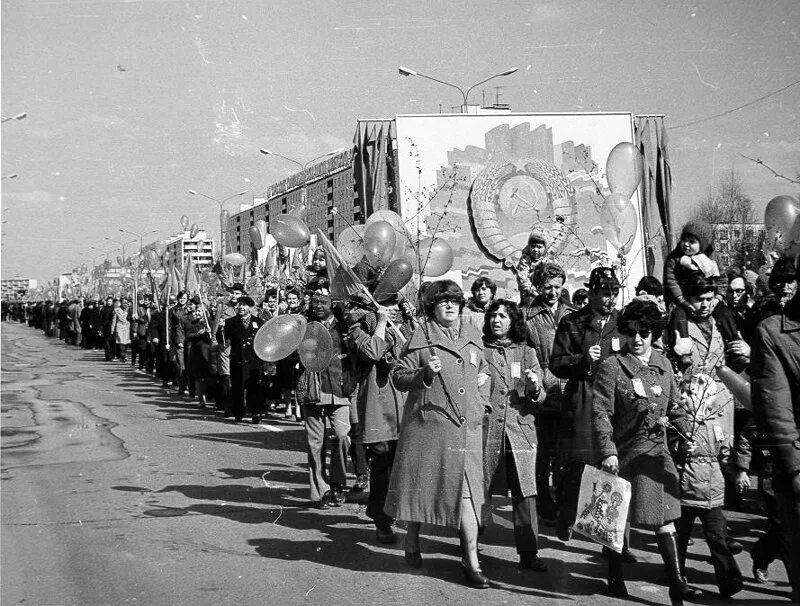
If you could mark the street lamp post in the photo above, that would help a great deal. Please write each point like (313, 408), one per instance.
(101, 251)
(140, 236)
(221, 203)
(405, 71)
(122, 245)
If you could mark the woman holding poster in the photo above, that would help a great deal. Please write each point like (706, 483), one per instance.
(635, 400)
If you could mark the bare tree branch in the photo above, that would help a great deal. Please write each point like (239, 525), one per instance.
(760, 162)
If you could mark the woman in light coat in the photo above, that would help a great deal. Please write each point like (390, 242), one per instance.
(438, 469)
(509, 460)
(121, 329)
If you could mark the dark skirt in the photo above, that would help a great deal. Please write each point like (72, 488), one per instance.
(655, 490)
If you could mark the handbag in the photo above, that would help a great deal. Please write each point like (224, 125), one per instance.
(603, 502)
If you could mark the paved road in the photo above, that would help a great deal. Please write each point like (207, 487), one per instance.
(117, 492)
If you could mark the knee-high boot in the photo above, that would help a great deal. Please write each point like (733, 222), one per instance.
(679, 589)
(615, 576)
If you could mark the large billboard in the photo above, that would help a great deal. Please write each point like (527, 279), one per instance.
(483, 182)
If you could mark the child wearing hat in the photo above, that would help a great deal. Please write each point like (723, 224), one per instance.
(530, 263)
(691, 257)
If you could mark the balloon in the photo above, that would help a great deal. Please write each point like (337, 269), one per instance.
(350, 244)
(255, 238)
(779, 219)
(624, 169)
(193, 231)
(119, 261)
(738, 385)
(316, 347)
(300, 211)
(289, 231)
(234, 259)
(619, 221)
(402, 243)
(793, 241)
(394, 277)
(379, 241)
(223, 218)
(279, 337)
(184, 222)
(161, 247)
(435, 256)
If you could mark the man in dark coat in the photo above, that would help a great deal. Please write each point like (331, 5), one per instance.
(583, 340)
(157, 340)
(87, 325)
(246, 366)
(775, 371)
(542, 317)
(107, 318)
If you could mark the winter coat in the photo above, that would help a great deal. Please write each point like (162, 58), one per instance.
(199, 343)
(157, 327)
(775, 375)
(541, 325)
(74, 315)
(526, 271)
(706, 356)
(436, 450)
(243, 357)
(474, 315)
(339, 379)
(224, 349)
(143, 316)
(379, 403)
(701, 479)
(569, 360)
(675, 275)
(177, 329)
(107, 319)
(121, 326)
(511, 421)
(629, 400)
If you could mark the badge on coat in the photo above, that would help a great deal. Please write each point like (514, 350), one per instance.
(638, 387)
(615, 344)
(516, 370)
(473, 357)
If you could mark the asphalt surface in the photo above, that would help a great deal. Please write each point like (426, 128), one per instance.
(116, 491)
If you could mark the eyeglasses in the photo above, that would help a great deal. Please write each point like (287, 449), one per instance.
(451, 300)
(737, 290)
(642, 332)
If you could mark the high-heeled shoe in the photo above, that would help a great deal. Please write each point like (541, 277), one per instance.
(474, 577)
(413, 559)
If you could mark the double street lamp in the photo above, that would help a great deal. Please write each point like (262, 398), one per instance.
(302, 165)
(122, 246)
(405, 71)
(140, 236)
(221, 203)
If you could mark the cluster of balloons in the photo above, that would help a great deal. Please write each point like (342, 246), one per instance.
(782, 222)
(282, 335)
(618, 216)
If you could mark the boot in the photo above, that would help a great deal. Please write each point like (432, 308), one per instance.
(679, 589)
(615, 577)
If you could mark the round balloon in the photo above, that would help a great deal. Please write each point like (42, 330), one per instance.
(316, 347)
(624, 169)
(234, 259)
(289, 231)
(119, 261)
(779, 218)
(619, 222)
(193, 231)
(379, 241)
(402, 243)
(261, 226)
(184, 222)
(350, 244)
(279, 337)
(435, 257)
(255, 238)
(394, 277)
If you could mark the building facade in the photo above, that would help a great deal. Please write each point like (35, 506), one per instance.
(12, 287)
(181, 246)
(730, 238)
(326, 188)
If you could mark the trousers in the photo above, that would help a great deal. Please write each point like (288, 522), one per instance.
(320, 476)
(381, 460)
(716, 534)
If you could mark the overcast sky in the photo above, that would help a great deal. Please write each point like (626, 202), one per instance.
(132, 103)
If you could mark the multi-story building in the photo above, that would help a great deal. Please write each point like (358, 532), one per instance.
(323, 187)
(179, 247)
(730, 237)
(12, 287)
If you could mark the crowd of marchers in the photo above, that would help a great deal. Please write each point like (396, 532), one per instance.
(441, 404)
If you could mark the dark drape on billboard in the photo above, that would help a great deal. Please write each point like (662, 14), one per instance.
(650, 135)
(375, 166)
